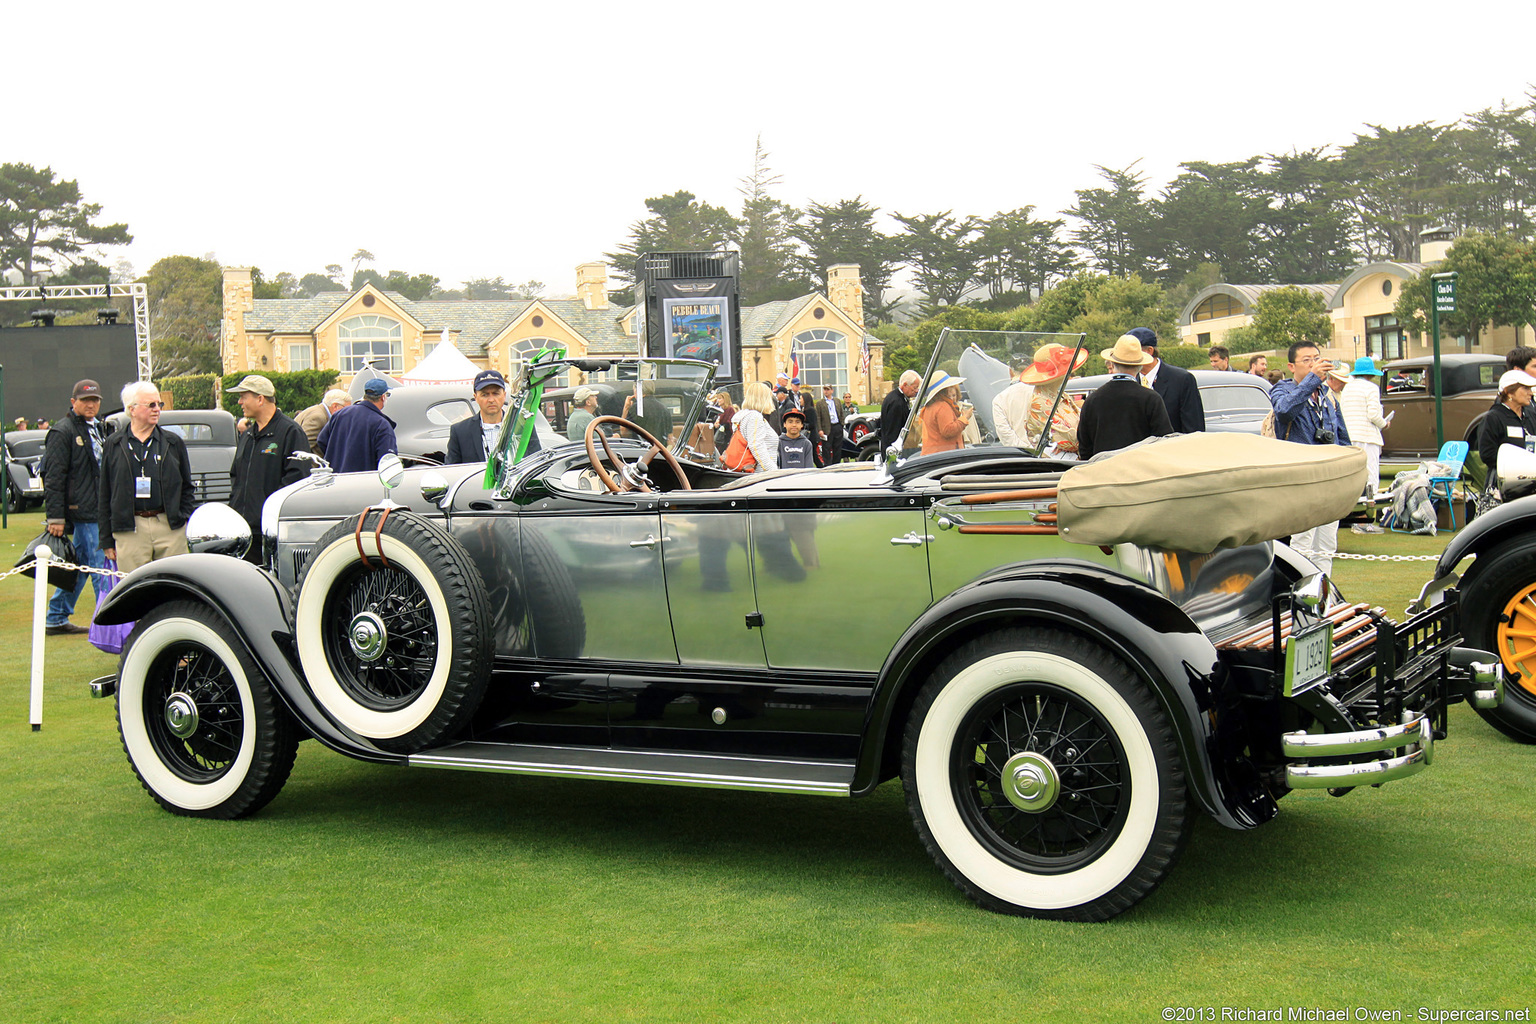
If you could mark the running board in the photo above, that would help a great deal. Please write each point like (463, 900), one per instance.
(658, 767)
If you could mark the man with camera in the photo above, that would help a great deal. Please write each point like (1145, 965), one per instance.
(1307, 413)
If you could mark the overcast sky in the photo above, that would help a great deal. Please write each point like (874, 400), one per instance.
(475, 140)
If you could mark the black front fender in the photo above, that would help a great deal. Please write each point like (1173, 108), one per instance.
(1487, 531)
(1161, 643)
(257, 608)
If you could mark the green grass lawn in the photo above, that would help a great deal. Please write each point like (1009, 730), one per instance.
(369, 893)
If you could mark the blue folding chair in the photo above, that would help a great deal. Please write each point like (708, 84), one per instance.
(1452, 455)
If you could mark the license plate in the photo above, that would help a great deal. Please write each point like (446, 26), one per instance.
(1308, 657)
(34, 483)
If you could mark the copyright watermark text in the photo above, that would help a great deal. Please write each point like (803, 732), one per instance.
(1202, 1014)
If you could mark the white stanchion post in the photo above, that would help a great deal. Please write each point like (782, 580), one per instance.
(39, 623)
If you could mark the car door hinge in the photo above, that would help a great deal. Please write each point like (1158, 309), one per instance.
(754, 620)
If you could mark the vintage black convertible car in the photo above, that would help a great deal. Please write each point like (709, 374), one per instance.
(1057, 712)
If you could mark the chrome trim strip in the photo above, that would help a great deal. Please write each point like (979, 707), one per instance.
(817, 778)
(1331, 744)
(1370, 773)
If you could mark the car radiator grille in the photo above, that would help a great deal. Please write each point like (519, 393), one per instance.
(211, 487)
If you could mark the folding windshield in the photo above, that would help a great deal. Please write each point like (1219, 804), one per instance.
(664, 397)
(995, 388)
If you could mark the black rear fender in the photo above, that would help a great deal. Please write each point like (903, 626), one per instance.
(1151, 634)
(1491, 529)
(257, 608)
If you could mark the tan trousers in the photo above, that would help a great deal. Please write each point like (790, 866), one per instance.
(150, 539)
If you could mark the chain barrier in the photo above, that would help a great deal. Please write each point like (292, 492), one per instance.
(1387, 558)
(54, 563)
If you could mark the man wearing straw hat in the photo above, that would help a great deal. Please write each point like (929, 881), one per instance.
(1122, 411)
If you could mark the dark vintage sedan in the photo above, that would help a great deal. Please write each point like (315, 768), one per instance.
(1234, 402)
(1058, 712)
(23, 457)
(1469, 386)
(210, 438)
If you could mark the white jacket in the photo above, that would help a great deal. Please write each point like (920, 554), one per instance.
(1010, 412)
(1360, 402)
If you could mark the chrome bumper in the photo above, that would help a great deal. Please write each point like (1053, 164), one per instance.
(1415, 738)
(103, 686)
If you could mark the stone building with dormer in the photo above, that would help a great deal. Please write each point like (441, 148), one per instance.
(1362, 308)
(823, 333)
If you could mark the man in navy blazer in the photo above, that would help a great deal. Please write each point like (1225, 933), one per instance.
(1174, 384)
(471, 439)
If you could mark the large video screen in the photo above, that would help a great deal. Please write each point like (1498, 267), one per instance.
(43, 363)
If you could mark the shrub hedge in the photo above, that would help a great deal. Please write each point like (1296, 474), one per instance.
(295, 390)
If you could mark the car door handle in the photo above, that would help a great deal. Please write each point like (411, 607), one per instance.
(649, 542)
(913, 540)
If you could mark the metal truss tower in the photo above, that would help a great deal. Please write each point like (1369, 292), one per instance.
(137, 290)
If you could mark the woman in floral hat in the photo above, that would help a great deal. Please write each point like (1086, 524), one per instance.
(1053, 364)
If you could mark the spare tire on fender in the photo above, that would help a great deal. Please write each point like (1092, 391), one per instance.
(393, 629)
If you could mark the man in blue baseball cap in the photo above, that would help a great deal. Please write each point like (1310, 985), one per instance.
(472, 439)
(358, 435)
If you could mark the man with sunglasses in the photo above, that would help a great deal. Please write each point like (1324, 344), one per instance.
(264, 453)
(146, 485)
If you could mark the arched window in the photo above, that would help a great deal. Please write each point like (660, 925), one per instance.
(370, 338)
(1216, 307)
(823, 355)
(525, 350)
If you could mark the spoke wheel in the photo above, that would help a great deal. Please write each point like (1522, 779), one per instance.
(379, 635)
(1040, 778)
(1515, 637)
(1043, 778)
(394, 630)
(1498, 613)
(201, 726)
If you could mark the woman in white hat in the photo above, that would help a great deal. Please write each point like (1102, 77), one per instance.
(944, 421)
(1505, 422)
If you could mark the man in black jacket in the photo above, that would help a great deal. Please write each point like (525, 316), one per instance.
(895, 407)
(146, 493)
(71, 470)
(1122, 410)
(264, 459)
(1174, 385)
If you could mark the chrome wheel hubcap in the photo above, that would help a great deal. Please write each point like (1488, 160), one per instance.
(181, 715)
(1031, 782)
(367, 636)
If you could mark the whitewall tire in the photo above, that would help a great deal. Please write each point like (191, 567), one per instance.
(1043, 778)
(396, 649)
(201, 727)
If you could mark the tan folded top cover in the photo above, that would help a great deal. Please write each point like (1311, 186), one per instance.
(1200, 492)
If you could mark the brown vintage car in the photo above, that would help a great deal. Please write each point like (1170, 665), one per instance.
(1469, 384)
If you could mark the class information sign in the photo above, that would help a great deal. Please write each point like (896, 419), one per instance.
(1443, 287)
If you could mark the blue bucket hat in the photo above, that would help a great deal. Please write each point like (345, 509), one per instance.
(1365, 366)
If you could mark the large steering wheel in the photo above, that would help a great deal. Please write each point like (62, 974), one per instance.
(631, 478)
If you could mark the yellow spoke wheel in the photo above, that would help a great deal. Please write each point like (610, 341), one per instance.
(1516, 636)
